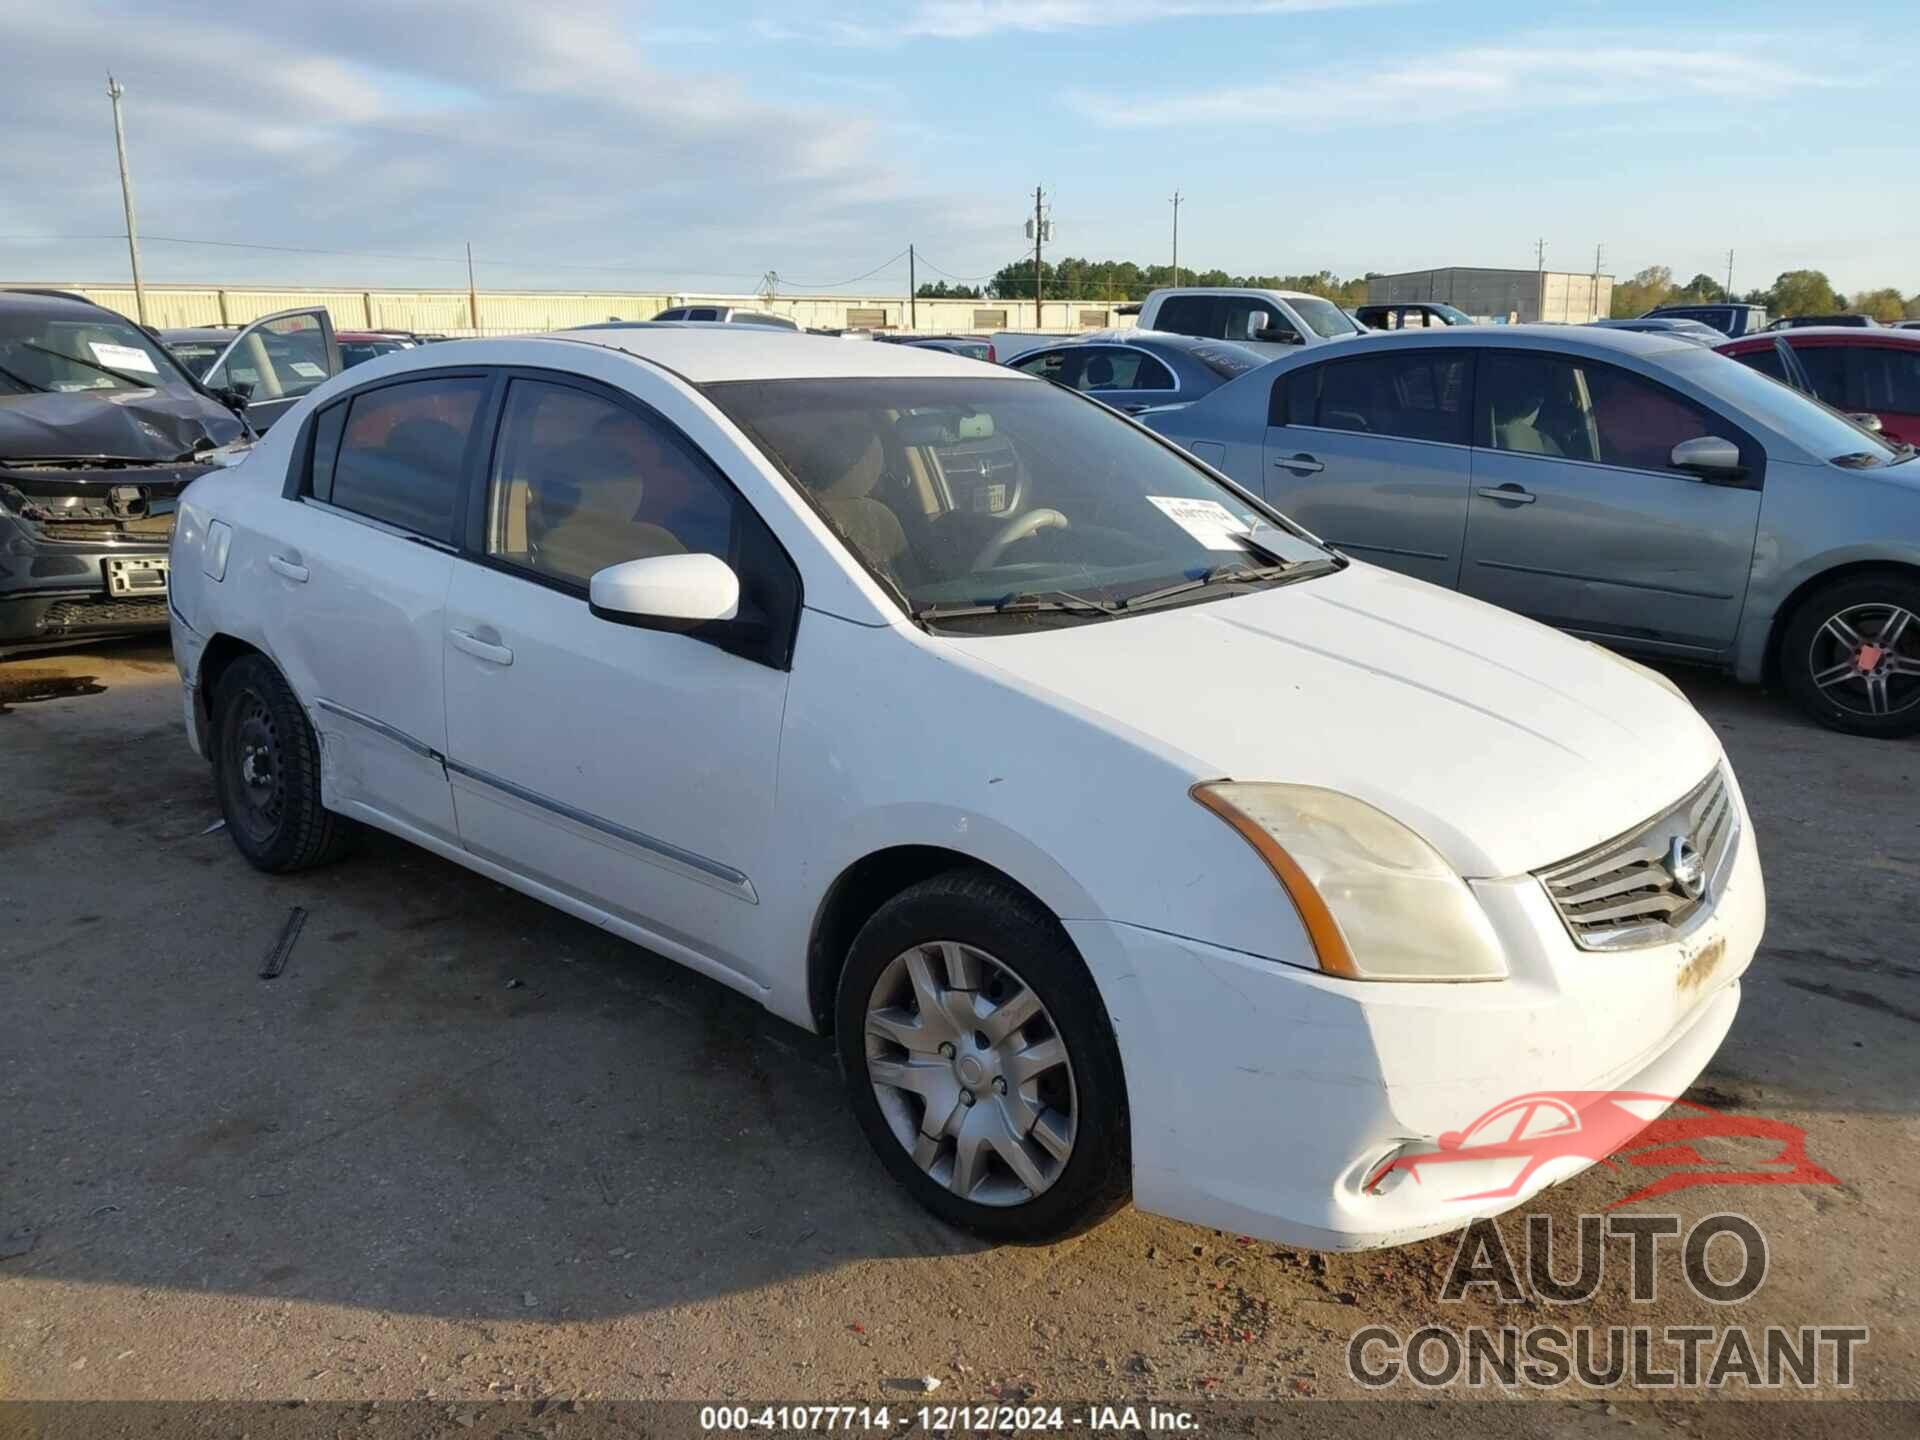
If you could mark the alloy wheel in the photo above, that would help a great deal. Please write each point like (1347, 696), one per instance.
(971, 1073)
(1866, 659)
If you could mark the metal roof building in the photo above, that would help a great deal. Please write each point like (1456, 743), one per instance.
(1519, 296)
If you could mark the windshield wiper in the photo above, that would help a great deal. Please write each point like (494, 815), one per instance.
(121, 375)
(1025, 602)
(24, 383)
(1220, 575)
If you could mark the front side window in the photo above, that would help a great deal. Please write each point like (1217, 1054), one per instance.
(1888, 378)
(1559, 407)
(1323, 317)
(1417, 395)
(1767, 362)
(400, 452)
(1239, 314)
(674, 314)
(1826, 367)
(580, 483)
(976, 492)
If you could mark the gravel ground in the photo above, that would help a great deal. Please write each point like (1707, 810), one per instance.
(466, 1147)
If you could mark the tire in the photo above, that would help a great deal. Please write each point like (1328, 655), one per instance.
(1836, 667)
(266, 773)
(1023, 989)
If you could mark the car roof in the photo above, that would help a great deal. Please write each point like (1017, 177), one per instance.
(1852, 334)
(705, 354)
(1596, 340)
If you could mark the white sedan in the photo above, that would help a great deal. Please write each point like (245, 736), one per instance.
(1126, 839)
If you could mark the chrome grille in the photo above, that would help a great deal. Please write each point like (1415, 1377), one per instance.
(1632, 890)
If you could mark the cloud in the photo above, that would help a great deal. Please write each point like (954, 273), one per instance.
(553, 135)
(978, 19)
(1470, 80)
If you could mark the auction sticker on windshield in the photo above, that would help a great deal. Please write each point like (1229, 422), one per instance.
(1207, 521)
(122, 357)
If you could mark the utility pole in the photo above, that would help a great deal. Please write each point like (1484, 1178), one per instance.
(1598, 250)
(1540, 278)
(473, 296)
(1729, 274)
(913, 290)
(1176, 237)
(114, 92)
(1039, 232)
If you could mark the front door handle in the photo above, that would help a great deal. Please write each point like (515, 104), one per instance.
(1507, 494)
(289, 566)
(1301, 464)
(485, 646)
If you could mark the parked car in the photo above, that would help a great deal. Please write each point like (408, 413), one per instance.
(1275, 319)
(1636, 490)
(1410, 315)
(1694, 330)
(1728, 319)
(1136, 370)
(1906, 324)
(100, 431)
(1873, 375)
(897, 693)
(265, 366)
(974, 347)
(728, 315)
(357, 346)
(1801, 322)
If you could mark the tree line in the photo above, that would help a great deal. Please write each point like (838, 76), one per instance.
(1794, 292)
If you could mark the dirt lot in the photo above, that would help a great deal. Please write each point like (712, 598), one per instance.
(467, 1147)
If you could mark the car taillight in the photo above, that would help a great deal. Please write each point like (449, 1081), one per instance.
(992, 359)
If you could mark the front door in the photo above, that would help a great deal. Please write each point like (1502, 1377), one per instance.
(1371, 455)
(276, 360)
(1579, 518)
(628, 768)
(360, 558)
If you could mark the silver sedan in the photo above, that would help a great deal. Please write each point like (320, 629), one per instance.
(1637, 490)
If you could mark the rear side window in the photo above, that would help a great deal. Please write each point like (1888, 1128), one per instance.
(1189, 315)
(1415, 396)
(1888, 378)
(1117, 368)
(400, 452)
(1048, 364)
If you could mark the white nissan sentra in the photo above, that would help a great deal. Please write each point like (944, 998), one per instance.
(1127, 840)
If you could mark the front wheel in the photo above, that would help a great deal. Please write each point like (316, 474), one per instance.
(1851, 656)
(981, 1063)
(266, 772)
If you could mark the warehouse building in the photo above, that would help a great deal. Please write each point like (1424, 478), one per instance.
(1515, 296)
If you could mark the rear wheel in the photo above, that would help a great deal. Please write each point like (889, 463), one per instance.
(266, 772)
(980, 1061)
(1851, 656)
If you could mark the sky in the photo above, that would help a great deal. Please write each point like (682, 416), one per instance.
(696, 146)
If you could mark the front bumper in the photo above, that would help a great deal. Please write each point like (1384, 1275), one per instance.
(52, 591)
(1263, 1096)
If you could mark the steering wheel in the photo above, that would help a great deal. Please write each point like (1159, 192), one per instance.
(1014, 531)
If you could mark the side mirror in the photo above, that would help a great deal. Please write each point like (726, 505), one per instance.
(1867, 421)
(665, 592)
(1257, 324)
(1709, 457)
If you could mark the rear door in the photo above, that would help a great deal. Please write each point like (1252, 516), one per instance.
(276, 360)
(358, 569)
(1578, 517)
(1372, 455)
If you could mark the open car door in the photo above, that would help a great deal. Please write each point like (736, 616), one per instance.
(276, 360)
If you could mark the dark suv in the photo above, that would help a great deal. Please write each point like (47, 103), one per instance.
(100, 430)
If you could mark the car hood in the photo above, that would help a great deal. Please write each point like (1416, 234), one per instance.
(1507, 745)
(121, 425)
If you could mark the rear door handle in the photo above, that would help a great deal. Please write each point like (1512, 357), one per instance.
(481, 647)
(1301, 464)
(1507, 494)
(289, 566)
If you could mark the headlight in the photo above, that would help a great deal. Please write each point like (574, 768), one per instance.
(1378, 902)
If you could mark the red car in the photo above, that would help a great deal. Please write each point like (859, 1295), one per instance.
(1871, 371)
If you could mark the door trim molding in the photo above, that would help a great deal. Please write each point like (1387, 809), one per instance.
(663, 852)
(381, 728)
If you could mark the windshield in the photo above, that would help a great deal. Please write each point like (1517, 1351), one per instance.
(197, 355)
(1816, 427)
(77, 350)
(976, 492)
(1452, 316)
(1323, 317)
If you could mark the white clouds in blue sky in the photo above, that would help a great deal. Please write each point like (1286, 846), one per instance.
(702, 144)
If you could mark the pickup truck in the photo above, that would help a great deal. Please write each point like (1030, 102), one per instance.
(1273, 321)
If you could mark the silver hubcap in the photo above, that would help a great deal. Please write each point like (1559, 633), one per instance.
(1866, 659)
(971, 1073)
